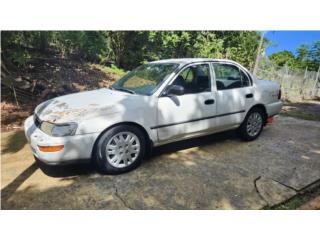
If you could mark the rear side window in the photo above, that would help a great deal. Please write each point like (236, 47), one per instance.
(229, 77)
(245, 79)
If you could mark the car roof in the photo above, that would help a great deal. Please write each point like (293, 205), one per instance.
(184, 61)
(191, 60)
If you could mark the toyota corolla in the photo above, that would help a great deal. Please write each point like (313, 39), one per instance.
(155, 104)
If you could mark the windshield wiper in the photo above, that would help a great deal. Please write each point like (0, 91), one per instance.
(123, 90)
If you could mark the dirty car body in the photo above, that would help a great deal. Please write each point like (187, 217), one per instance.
(158, 103)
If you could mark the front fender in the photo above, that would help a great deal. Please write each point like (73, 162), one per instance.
(100, 123)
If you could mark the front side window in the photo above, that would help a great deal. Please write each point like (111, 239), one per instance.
(145, 79)
(229, 77)
(194, 79)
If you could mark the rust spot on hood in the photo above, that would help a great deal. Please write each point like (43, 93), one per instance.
(75, 114)
(62, 105)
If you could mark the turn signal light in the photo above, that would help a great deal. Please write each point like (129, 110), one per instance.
(50, 148)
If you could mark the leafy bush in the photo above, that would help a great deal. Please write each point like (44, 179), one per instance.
(113, 69)
(128, 49)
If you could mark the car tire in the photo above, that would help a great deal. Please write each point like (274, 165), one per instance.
(115, 154)
(252, 125)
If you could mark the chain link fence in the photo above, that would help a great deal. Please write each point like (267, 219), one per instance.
(296, 85)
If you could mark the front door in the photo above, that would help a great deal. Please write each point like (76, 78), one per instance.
(192, 112)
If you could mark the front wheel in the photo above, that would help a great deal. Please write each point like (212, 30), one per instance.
(252, 125)
(120, 149)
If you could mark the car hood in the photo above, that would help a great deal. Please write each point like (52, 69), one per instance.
(80, 106)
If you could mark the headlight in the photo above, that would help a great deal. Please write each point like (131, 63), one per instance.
(59, 130)
(67, 129)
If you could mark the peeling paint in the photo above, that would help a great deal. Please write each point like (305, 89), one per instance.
(76, 107)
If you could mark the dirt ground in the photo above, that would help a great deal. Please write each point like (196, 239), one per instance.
(213, 172)
(43, 79)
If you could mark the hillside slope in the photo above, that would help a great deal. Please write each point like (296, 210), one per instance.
(45, 78)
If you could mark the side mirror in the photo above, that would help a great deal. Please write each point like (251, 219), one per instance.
(174, 90)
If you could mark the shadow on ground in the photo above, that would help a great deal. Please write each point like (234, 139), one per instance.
(88, 168)
(14, 143)
(16, 183)
(303, 110)
(196, 142)
(90, 190)
(214, 172)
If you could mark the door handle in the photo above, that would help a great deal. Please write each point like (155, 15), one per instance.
(250, 95)
(209, 101)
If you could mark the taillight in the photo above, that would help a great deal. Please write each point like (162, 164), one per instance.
(279, 94)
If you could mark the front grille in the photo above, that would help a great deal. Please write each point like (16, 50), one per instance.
(37, 121)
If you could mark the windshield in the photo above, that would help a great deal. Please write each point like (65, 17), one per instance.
(145, 79)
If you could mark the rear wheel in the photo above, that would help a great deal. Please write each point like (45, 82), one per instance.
(120, 149)
(252, 125)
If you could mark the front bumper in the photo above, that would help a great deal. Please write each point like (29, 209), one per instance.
(76, 148)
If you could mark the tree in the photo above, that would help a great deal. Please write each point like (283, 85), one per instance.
(314, 56)
(284, 58)
(302, 52)
(240, 46)
(44, 41)
(309, 56)
(127, 49)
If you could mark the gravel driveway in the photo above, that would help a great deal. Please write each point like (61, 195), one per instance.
(214, 172)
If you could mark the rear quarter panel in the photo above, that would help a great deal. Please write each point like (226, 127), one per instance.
(266, 93)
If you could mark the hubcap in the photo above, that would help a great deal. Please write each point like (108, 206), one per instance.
(123, 149)
(254, 124)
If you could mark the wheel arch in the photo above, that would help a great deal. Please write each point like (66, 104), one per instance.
(263, 108)
(149, 142)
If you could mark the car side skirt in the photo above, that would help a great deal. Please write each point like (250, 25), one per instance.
(197, 119)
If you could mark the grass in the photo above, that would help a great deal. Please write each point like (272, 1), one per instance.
(300, 199)
(110, 70)
(292, 204)
(300, 115)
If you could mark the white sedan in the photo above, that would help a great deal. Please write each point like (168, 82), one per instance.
(156, 103)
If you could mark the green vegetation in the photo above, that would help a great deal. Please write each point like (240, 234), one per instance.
(292, 204)
(284, 57)
(300, 200)
(113, 69)
(300, 115)
(308, 56)
(128, 49)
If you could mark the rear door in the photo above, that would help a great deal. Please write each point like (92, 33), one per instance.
(234, 94)
(191, 113)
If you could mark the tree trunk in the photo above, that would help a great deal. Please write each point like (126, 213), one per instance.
(43, 42)
(256, 65)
